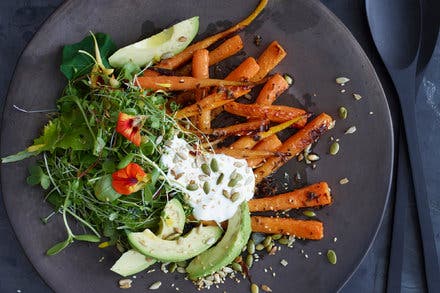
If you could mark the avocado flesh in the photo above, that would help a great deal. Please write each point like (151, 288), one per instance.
(131, 262)
(185, 247)
(172, 221)
(167, 43)
(229, 247)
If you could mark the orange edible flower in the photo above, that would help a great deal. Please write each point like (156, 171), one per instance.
(129, 179)
(130, 127)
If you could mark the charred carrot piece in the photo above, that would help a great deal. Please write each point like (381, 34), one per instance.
(313, 230)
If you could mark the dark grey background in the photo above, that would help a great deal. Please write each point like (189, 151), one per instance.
(19, 19)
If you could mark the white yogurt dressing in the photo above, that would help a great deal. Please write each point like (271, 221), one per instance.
(223, 198)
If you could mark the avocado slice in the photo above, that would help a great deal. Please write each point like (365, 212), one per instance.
(229, 247)
(172, 222)
(165, 44)
(195, 242)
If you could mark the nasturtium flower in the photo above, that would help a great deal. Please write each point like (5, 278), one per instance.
(129, 179)
(130, 127)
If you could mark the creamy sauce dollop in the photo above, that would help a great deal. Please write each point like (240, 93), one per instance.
(210, 197)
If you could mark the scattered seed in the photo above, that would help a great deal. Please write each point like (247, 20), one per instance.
(206, 169)
(251, 246)
(342, 111)
(276, 236)
(343, 91)
(273, 250)
(266, 288)
(313, 157)
(357, 97)
(235, 196)
(342, 80)
(214, 165)
(267, 241)
(331, 256)
(284, 262)
(226, 194)
(351, 130)
(259, 247)
(125, 283)
(206, 187)
(220, 178)
(172, 267)
(181, 270)
(236, 267)
(300, 157)
(192, 187)
(182, 264)
(334, 148)
(283, 241)
(344, 181)
(335, 239)
(249, 260)
(309, 214)
(371, 113)
(288, 79)
(233, 182)
(269, 247)
(254, 288)
(332, 124)
(155, 285)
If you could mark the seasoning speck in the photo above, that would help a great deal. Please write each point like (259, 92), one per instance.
(357, 97)
(351, 130)
(342, 80)
(284, 262)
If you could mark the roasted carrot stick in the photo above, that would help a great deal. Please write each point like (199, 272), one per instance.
(273, 88)
(220, 98)
(245, 71)
(248, 142)
(274, 113)
(271, 143)
(181, 83)
(317, 194)
(150, 73)
(270, 58)
(185, 55)
(240, 129)
(245, 154)
(295, 144)
(313, 230)
(200, 69)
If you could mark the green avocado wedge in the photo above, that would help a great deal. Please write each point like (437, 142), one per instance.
(184, 247)
(172, 222)
(165, 44)
(229, 247)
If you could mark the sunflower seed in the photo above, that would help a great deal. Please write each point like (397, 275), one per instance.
(266, 288)
(351, 130)
(284, 262)
(125, 283)
(342, 80)
(288, 79)
(155, 285)
(344, 181)
(357, 97)
(235, 196)
(313, 157)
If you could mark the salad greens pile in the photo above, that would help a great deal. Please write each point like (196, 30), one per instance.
(81, 149)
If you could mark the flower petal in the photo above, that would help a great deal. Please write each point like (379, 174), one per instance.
(129, 179)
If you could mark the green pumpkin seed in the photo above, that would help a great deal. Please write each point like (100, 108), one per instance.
(249, 260)
(214, 165)
(267, 241)
(236, 267)
(334, 148)
(235, 196)
(251, 246)
(192, 187)
(259, 247)
(331, 256)
(220, 178)
(276, 236)
(254, 288)
(269, 247)
(206, 169)
(206, 187)
(172, 267)
(309, 214)
(342, 112)
(283, 241)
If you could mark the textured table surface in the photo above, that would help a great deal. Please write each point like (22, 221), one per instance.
(20, 19)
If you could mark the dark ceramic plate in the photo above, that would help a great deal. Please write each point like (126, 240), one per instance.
(319, 49)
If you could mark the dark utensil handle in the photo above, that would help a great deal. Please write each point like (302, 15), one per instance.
(432, 268)
(403, 188)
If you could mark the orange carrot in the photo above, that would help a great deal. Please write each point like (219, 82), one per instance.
(271, 143)
(181, 83)
(313, 230)
(200, 64)
(275, 113)
(150, 73)
(295, 144)
(317, 194)
(245, 154)
(240, 129)
(270, 58)
(273, 88)
(245, 71)
(226, 49)
(185, 55)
